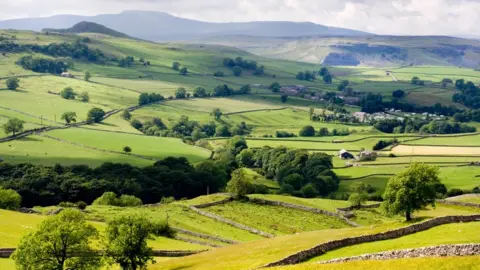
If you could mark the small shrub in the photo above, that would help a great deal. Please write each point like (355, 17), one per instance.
(128, 200)
(9, 199)
(167, 200)
(67, 205)
(260, 189)
(454, 192)
(108, 198)
(81, 205)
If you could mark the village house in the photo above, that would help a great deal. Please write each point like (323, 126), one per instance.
(344, 154)
(294, 90)
(66, 75)
(361, 116)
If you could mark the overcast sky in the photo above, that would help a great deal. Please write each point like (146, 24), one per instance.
(402, 17)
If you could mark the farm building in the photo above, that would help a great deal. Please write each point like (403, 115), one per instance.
(361, 116)
(66, 75)
(344, 154)
(294, 90)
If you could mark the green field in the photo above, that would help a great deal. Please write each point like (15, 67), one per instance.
(144, 146)
(178, 216)
(285, 220)
(45, 151)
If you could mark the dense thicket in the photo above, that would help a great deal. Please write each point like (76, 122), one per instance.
(43, 65)
(469, 94)
(238, 64)
(176, 177)
(294, 170)
(422, 126)
(76, 50)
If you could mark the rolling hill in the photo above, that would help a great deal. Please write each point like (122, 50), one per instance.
(160, 26)
(362, 50)
(88, 27)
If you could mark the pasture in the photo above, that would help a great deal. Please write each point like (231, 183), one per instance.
(45, 151)
(423, 150)
(153, 148)
(285, 220)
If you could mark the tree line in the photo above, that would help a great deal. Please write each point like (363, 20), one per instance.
(372, 103)
(422, 126)
(171, 177)
(76, 50)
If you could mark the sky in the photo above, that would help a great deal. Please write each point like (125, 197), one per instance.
(399, 17)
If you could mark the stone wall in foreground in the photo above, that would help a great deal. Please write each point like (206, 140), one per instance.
(336, 244)
(436, 251)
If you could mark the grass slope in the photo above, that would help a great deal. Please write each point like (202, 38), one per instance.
(150, 147)
(284, 221)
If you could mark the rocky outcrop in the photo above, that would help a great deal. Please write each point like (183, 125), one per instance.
(230, 222)
(437, 251)
(336, 244)
(304, 208)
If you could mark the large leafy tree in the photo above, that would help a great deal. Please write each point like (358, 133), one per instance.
(61, 242)
(95, 115)
(411, 190)
(126, 241)
(69, 117)
(239, 185)
(13, 125)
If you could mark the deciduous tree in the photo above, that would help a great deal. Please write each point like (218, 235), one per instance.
(61, 242)
(69, 117)
(13, 83)
(14, 125)
(411, 190)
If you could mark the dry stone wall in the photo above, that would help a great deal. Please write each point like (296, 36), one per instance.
(459, 203)
(336, 244)
(230, 222)
(304, 208)
(205, 236)
(436, 251)
(205, 205)
(7, 252)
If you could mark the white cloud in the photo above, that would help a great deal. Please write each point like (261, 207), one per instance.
(397, 17)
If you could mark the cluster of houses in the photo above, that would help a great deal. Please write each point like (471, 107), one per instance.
(363, 117)
(393, 114)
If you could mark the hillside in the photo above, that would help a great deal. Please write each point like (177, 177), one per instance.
(380, 51)
(88, 27)
(160, 26)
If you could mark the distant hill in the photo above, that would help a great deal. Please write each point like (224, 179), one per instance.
(88, 27)
(160, 26)
(361, 50)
